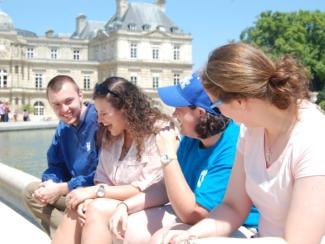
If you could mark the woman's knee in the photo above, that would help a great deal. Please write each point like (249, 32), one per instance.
(157, 237)
(137, 229)
(100, 208)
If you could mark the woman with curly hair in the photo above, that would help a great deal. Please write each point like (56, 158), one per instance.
(129, 161)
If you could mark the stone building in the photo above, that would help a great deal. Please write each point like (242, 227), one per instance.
(139, 42)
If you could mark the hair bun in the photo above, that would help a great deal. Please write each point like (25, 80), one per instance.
(279, 78)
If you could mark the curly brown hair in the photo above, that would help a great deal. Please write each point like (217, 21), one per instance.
(210, 124)
(136, 107)
(240, 70)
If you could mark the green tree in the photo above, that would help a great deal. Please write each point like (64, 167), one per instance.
(320, 96)
(301, 34)
(322, 105)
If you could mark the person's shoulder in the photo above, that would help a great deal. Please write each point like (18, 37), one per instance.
(91, 113)
(188, 143)
(233, 126)
(311, 119)
(61, 128)
(90, 107)
(232, 129)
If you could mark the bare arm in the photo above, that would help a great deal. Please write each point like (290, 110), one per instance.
(153, 196)
(306, 217)
(225, 218)
(114, 192)
(179, 193)
(181, 196)
(230, 215)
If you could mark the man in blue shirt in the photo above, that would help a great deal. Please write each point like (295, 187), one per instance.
(72, 156)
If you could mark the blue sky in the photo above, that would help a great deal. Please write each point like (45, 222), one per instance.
(211, 22)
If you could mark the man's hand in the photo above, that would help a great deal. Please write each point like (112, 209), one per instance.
(49, 191)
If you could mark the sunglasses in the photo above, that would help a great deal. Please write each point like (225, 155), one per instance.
(102, 89)
(216, 104)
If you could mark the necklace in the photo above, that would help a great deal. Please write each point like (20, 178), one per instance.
(269, 146)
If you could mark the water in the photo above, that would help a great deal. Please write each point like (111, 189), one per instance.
(26, 150)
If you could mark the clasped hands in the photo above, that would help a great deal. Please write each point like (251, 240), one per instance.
(48, 192)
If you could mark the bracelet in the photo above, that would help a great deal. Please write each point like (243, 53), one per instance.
(191, 239)
(123, 203)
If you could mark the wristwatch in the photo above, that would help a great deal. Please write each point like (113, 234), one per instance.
(166, 159)
(101, 191)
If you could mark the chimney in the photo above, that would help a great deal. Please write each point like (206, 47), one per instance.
(161, 4)
(121, 7)
(81, 21)
(49, 33)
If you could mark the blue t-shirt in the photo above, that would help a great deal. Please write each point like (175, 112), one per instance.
(73, 154)
(207, 170)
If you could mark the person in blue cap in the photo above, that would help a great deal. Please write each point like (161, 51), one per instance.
(196, 169)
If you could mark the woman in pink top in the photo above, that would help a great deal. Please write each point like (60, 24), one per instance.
(280, 161)
(129, 161)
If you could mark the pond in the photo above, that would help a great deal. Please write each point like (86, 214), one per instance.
(26, 150)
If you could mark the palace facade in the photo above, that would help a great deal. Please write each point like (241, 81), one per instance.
(139, 42)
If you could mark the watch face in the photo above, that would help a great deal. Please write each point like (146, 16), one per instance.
(100, 191)
(165, 157)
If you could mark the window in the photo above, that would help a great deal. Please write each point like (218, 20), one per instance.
(54, 53)
(133, 50)
(30, 52)
(134, 79)
(76, 54)
(131, 27)
(146, 27)
(176, 52)
(3, 78)
(86, 82)
(176, 78)
(155, 53)
(155, 82)
(173, 29)
(38, 81)
(38, 108)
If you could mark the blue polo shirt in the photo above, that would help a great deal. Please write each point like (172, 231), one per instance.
(73, 155)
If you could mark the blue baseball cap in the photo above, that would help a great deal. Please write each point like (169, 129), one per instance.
(187, 93)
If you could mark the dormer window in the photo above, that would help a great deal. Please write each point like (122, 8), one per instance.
(173, 29)
(146, 27)
(161, 28)
(131, 26)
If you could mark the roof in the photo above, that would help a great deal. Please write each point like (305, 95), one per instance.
(90, 30)
(25, 33)
(141, 16)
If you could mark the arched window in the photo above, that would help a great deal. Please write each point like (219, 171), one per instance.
(38, 108)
